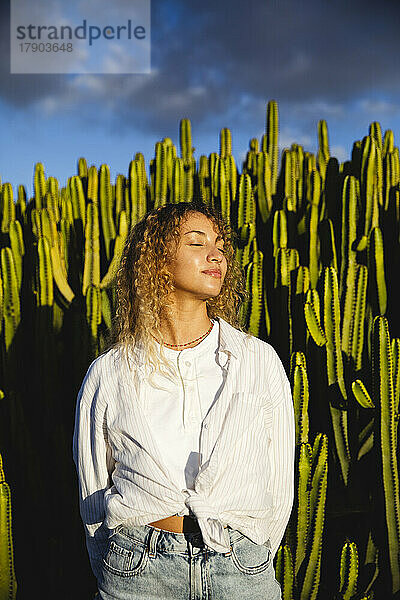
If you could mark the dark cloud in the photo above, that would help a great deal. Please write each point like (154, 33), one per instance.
(206, 56)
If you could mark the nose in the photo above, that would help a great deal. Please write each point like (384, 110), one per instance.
(215, 255)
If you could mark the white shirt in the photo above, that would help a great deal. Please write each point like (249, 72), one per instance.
(175, 413)
(247, 441)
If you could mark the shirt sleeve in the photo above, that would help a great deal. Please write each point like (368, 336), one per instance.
(282, 450)
(94, 464)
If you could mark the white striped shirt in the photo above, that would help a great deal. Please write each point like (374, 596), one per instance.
(246, 477)
(175, 409)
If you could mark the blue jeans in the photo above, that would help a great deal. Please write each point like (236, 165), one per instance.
(145, 563)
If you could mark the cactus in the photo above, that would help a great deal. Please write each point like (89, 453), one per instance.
(45, 295)
(284, 571)
(309, 588)
(17, 247)
(107, 220)
(348, 571)
(270, 142)
(11, 310)
(8, 583)
(316, 241)
(383, 394)
(8, 207)
(91, 270)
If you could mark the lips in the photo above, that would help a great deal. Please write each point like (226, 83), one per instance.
(213, 272)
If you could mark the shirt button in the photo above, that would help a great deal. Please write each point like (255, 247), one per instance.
(205, 426)
(187, 363)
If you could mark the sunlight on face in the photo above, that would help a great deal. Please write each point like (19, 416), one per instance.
(199, 266)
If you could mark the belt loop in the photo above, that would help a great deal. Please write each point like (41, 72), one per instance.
(152, 542)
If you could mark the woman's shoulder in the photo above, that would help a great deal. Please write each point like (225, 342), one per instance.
(258, 345)
(264, 354)
(109, 360)
(249, 342)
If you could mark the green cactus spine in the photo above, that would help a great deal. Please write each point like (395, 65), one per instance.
(348, 259)
(284, 570)
(39, 184)
(8, 583)
(7, 207)
(323, 153)
(93, 184)
(383, 394)
(312, 317)
(361, 394)
(376, 263)
(357, 342)
(178, 183)
(264, 197)
(82, 167)
(375, 131)
(109, 277)
(91, 269)
(225, 142)
(396, 375)
(137, 189)
(21, 204)
(271, 141)
(302, 502)
(348, 571)
(299, 381)
(48, 228)
(246, 204)
(77, 199)
(93, 315)
(312, 227)
(279, 231)
(257, 303)
(12, 309)
(106, 210)
(319, 482)
(221, 188)
(367, 181)
(331, 321)
(289, 170)
(185, 140)
(45, 296)
(17, 247)
(204, 180)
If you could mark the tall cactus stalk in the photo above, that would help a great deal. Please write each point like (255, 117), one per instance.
(8, 583)
(383, 391)
(271, 141)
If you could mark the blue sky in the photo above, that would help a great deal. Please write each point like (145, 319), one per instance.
(216, 63)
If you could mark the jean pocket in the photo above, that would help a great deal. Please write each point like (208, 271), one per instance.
(250, 558)
(125, 557)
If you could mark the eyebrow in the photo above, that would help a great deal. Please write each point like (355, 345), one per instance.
(219, 237)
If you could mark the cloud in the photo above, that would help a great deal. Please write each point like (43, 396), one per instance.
(213, 59)
(378, 107)
(289, 136)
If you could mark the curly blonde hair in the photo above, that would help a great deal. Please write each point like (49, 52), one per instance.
(143, 281)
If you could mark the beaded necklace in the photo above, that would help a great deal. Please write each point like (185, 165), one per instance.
(187, 343)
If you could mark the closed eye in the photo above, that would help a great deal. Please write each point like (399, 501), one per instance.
(220, 249)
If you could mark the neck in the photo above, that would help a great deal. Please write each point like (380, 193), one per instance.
(182, 327)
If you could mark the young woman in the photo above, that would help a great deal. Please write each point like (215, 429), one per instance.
(184, 428)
